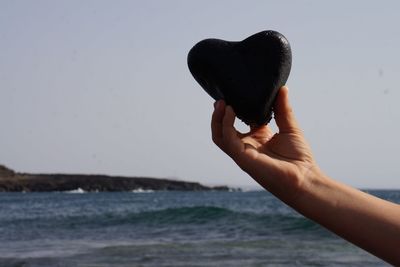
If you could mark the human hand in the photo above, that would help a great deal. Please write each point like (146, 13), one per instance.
(284, 165)
(279, 162)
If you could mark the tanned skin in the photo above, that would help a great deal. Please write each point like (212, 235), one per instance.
(284, 165)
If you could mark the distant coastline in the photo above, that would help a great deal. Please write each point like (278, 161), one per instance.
(11, 181)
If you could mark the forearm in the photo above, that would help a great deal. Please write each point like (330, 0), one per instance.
(367, 221)
(283, 164)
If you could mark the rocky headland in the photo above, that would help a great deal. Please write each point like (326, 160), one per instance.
(11, 181)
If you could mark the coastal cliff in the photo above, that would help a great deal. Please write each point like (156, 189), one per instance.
(11, 181)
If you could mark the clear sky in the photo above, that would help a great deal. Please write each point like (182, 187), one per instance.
(103, 86)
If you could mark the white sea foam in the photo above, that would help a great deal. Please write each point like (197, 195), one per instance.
(76, 191)
(141, 190)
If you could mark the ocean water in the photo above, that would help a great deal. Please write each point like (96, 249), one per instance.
(167, 229)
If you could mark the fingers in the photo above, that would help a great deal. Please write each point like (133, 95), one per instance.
(224, 134)
(231, 141)
(262, 134)
(284, 115)
(216, 122)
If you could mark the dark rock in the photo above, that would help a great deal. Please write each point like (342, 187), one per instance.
(18, 182)
(246, 74)
(6, 172)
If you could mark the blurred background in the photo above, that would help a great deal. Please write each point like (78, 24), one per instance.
(103, 86)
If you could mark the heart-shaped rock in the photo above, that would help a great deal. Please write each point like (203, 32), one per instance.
(246, 74)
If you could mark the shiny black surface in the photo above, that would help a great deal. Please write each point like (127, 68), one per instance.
(246, 74)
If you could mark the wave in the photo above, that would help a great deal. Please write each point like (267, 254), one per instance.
(75, 191)
(141, 190)
(209, 217)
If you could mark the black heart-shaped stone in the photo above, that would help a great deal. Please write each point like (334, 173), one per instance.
(246, 74)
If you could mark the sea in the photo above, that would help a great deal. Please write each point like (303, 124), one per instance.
(145, 228)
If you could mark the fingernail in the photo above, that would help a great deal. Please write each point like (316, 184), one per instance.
(230, 109)
(218, 104)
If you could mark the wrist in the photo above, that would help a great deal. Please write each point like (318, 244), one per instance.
(317, 193)
(308, 183)
(296, 186)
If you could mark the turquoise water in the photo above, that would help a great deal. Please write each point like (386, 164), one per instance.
(167, 229)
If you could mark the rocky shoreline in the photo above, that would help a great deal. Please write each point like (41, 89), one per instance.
(11, 181)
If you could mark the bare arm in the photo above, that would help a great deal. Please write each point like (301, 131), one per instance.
(284, 165)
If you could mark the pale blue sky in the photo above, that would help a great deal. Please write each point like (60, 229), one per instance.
(103, 86)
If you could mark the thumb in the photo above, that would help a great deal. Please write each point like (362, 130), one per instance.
(283, 112)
